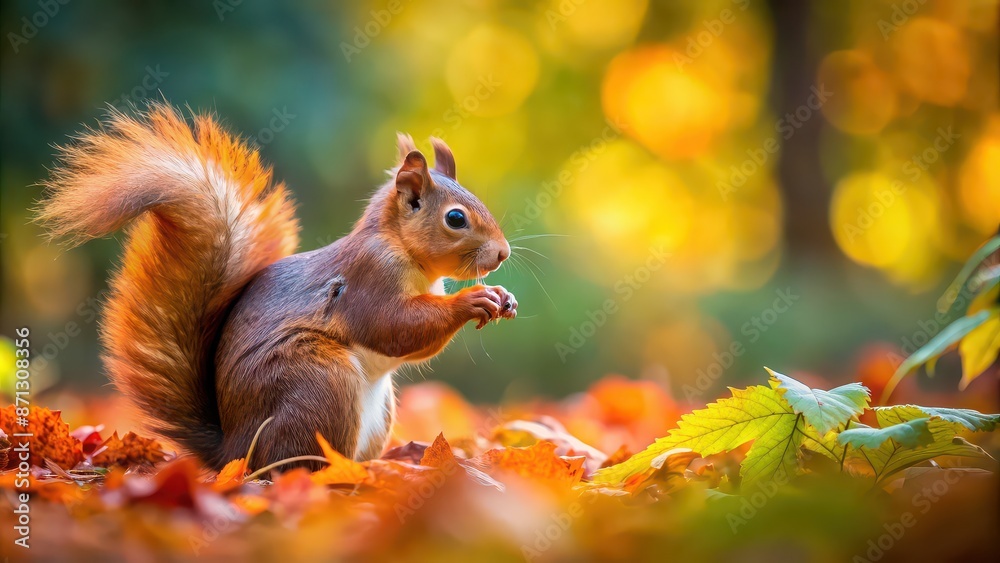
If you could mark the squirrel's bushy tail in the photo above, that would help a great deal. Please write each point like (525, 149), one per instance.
(205, 218)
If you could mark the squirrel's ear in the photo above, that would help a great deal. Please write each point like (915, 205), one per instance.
(405, 144)
(444, 161)
(412, 178)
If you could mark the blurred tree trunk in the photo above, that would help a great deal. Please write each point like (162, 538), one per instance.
(806, 193)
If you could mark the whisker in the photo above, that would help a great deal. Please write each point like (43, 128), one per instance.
(532, 250)
(532, 263)
(467, 351)
(483, 344)
(466, 262)
(529, 237)
(538, 281)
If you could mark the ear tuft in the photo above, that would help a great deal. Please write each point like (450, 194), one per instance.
(444, 160)
(412, 179)
(405, 144)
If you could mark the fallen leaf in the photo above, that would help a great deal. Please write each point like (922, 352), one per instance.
(341, 470)
(129, 450)
(538, 462)
(410, 451)
(50, 438)
(438, 454)
(231, 476)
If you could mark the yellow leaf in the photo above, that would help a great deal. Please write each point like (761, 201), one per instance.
(979, 348)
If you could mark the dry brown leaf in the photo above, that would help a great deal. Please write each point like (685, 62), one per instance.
(130, 450)
(50, 437)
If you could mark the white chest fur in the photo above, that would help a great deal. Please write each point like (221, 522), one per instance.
(376, 392)
(376, 379)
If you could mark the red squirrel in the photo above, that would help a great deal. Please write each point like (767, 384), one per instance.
(214, 325)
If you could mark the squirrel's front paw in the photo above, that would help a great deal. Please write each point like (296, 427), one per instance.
(489, 303)
(508, 304)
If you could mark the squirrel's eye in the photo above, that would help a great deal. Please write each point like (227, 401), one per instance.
(456, 219)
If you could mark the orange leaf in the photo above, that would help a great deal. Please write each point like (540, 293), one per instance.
(535, 462)
(666, 470)
(50, 436)
(438, 454)
(231, 475)
(341, 471)
(251, 504)
(620, 455)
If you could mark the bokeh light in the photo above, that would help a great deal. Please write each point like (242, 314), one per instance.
(594, 25)
(979, 181)
(932, 61)
(676, 114)
(865, 97)
(880, 221)
(492, 70)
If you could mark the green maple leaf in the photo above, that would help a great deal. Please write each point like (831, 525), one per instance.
(967, 418)
(909, 434)
(757, 413)
(824, 410)
(825, 444)
(897, 453)
(786, 417)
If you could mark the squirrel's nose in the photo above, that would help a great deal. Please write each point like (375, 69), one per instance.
(504, 252)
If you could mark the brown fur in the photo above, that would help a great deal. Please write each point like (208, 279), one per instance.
(214, 326)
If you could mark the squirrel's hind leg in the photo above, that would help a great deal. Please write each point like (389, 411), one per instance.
(321, 396)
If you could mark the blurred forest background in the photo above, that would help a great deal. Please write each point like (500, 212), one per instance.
(736, 183)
